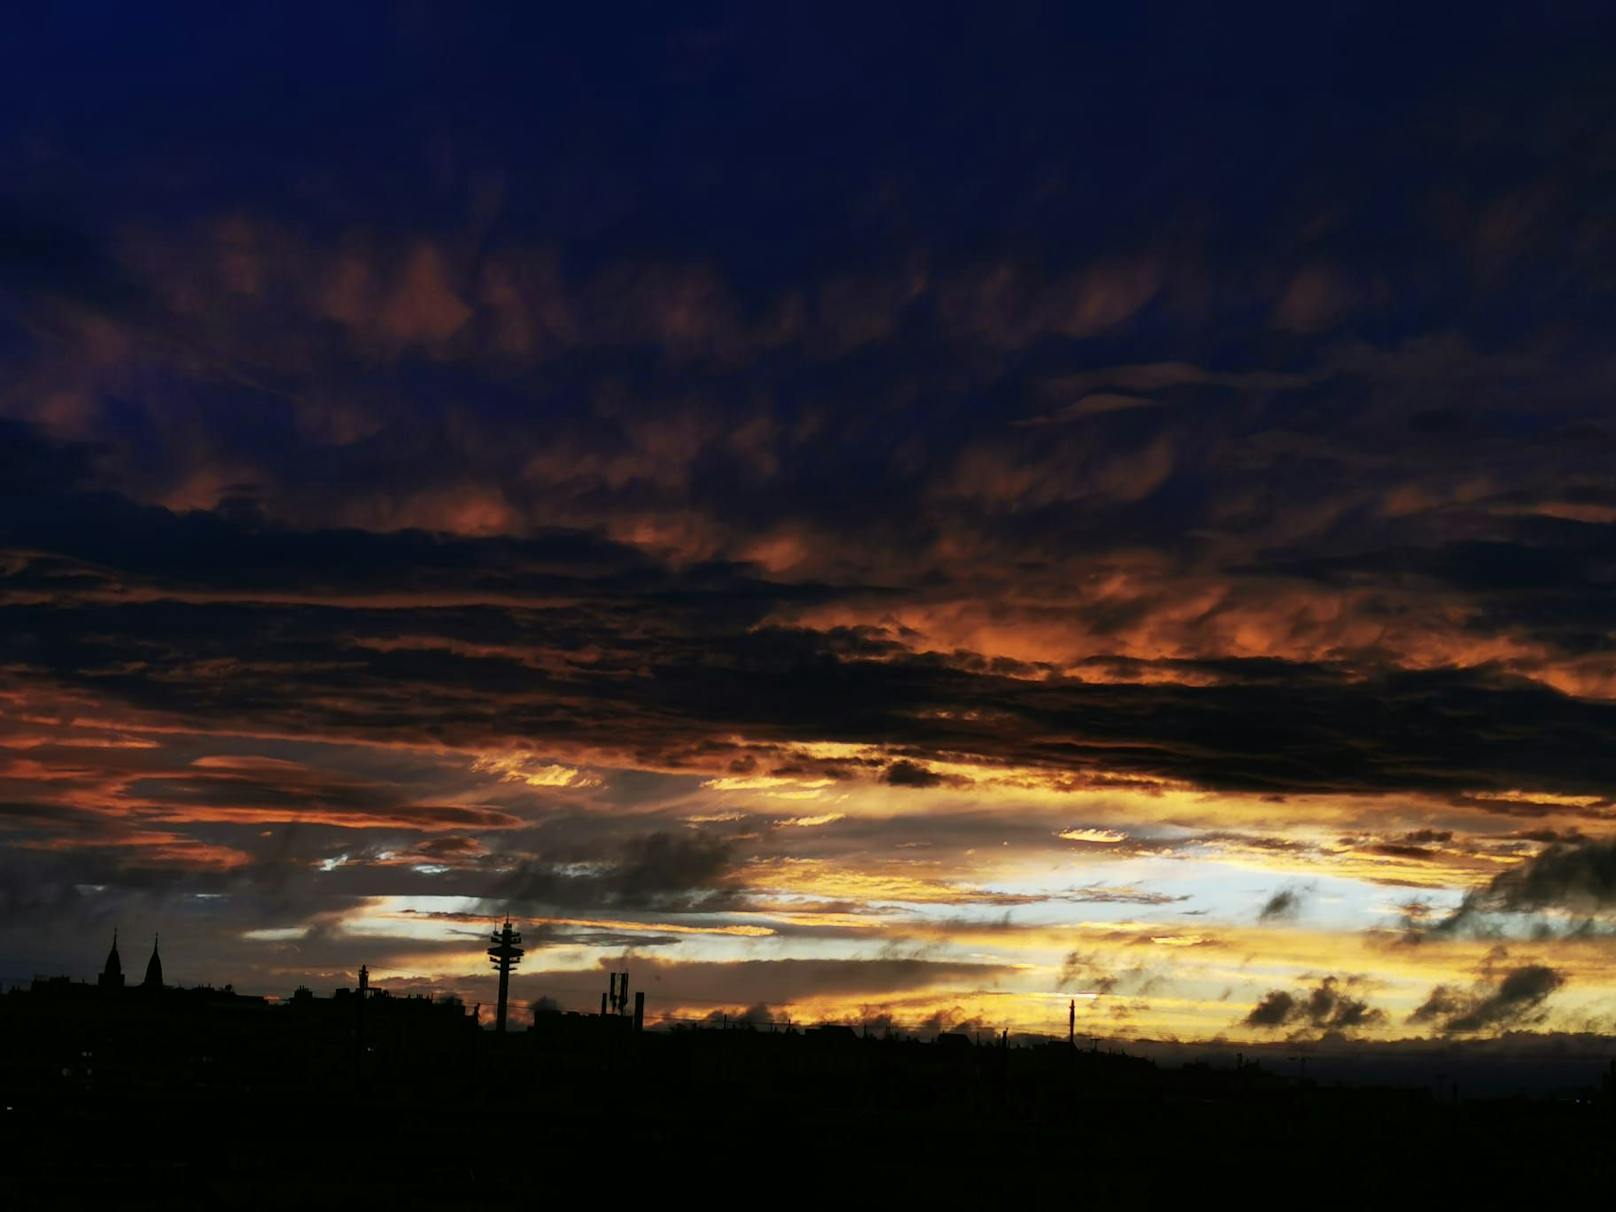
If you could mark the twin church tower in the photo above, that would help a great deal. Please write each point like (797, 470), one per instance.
(112, 972)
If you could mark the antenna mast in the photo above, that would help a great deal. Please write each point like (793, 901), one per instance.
(504, 953)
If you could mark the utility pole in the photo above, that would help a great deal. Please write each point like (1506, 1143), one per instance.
(1071, 1024)
(504, 953)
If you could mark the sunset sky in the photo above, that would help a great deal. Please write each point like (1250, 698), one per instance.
(880, 514)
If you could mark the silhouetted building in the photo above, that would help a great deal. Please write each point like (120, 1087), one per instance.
(154, 969)
(112, 972)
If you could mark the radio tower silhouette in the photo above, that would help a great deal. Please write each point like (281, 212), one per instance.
(504, 952)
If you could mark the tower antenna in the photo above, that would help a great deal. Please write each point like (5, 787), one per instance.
(504, 953)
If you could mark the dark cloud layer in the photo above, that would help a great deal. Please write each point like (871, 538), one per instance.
(1576, 879)
(1328, 1007)
(1282, 906)
(1513, 1001)
(1573, 877)
(657, 870)
(572, 641)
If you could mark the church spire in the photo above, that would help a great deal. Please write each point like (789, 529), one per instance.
(112, 971)
(154, 969)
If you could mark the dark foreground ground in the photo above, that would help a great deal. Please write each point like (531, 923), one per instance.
(731, 1146)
